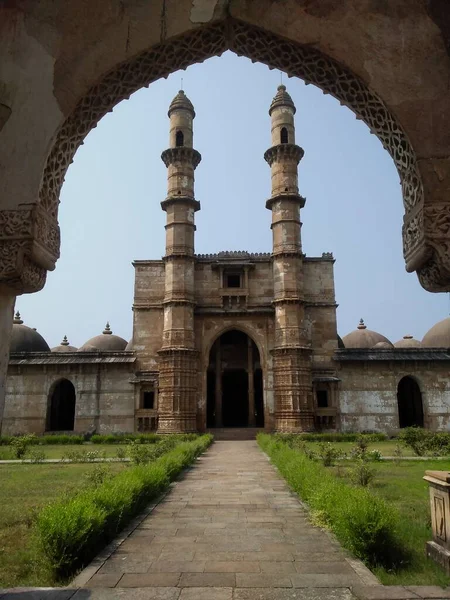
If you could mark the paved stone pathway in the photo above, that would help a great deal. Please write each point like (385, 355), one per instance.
(229, 529)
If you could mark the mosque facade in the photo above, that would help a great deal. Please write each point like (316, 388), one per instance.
(230, 340)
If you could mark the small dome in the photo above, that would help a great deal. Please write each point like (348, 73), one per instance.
(26, 339)
(64, 346)
(106, 342)
(408, 342)
(281, 98)
(383, 346)
(129, 346)
(363, 338)
(438, 336)
(180, 102)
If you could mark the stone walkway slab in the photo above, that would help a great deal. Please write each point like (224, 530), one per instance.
(230, 526)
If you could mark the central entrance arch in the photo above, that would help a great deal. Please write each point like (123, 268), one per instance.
(61, 407)
(234, 382)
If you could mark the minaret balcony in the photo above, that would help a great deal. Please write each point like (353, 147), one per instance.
(181, 154)
(283, 152)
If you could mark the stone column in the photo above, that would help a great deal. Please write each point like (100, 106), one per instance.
(218, 394)
(178, 364)
(251, 388)
(6, 321)
(292, 349)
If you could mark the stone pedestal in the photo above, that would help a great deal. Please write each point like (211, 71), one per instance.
(439, 548)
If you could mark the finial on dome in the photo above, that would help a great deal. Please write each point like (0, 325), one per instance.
(107, 329)
(407, 337)
(282, 98)
(180, 102)
(361, 324)
(17, 320)
(65, 341)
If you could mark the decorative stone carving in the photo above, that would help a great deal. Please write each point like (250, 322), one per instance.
(29, 245)
(283, 152)
(182, 153)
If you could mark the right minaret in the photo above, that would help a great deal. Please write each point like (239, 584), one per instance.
(292, 347)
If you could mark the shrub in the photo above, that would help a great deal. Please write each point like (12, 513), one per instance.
(362, 522)
(126, 438)
(60, 439)
(121, 453)
(36, 455)
(362, 474)
(72, 530)
(97, 475)
(20, 444)
(328, 454)
(423, 441)
(291, 438)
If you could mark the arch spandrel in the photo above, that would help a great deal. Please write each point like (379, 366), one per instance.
(425, 249)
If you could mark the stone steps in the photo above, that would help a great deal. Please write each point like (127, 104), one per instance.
(234, 433)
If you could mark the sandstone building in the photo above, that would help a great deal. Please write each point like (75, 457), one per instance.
(232, 339)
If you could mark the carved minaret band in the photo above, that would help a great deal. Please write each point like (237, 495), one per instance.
(292, 349)
(178, 356)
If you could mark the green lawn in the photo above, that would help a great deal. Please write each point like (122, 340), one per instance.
(23, 490)
(57, 451)
(402, 485)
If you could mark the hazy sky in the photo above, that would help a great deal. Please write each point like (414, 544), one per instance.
(110, 210)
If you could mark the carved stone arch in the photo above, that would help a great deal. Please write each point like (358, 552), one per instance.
(429, 259)
(246, 328)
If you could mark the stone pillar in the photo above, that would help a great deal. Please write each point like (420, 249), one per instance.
(218, 393)
(251, 387)
(292, 350)
(177, 410)
(6, 321)
(439, 548)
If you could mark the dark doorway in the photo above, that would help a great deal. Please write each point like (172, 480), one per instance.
(61, 416)
(410, 407)
(234, 383)
(235, 398)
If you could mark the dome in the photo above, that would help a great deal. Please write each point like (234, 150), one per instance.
(180, 102)
(281, 98)
(363, 338)
(438, 336)
(64, 346)
(129, 346)
(408, 342)
(105, 342)
(26, 339)
(383, 346)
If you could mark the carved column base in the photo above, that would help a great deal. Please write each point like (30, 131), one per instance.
(178, 396)
(293, 389)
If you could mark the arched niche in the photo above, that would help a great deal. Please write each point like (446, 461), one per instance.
(61, 406)
(410, 405)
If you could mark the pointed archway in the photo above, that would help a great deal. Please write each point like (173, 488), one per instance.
(234, 382)
(61, 406)
(410, 405)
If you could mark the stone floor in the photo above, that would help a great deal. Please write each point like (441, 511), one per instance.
(230, 529)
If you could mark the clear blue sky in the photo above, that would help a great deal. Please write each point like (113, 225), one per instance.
(110, 208)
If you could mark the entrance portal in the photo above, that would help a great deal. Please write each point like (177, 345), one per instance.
(234, 382)
(61, 410)
(410, 407)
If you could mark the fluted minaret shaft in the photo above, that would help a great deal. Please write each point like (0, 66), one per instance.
(292, 353)
(178, 357)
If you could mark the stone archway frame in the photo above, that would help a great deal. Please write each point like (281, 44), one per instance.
(425, 231)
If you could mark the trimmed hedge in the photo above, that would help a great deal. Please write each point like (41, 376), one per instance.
(72, 530)
(361, 521)
(332, 437)
(141, 438)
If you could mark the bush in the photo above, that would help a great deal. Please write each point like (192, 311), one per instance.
(362, 474)
(36, 455)
(291, 438)
(328, 454)
(60, 439)
(362, 522)
(20, 444)
(126, 438)
(423, 442)
(72, 530)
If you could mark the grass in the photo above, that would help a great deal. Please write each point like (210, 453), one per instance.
(386, 448)
(402, 486)
(24, 490)
(56, 451)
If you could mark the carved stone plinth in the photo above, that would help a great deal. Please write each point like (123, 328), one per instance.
(293, 389)
(177, 398)
(439, 548)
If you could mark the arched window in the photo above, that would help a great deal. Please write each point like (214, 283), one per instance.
(284, 135)
(410, 407)
(61, 407)
(179, 139)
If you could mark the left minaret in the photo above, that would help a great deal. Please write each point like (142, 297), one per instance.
(177, 404)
